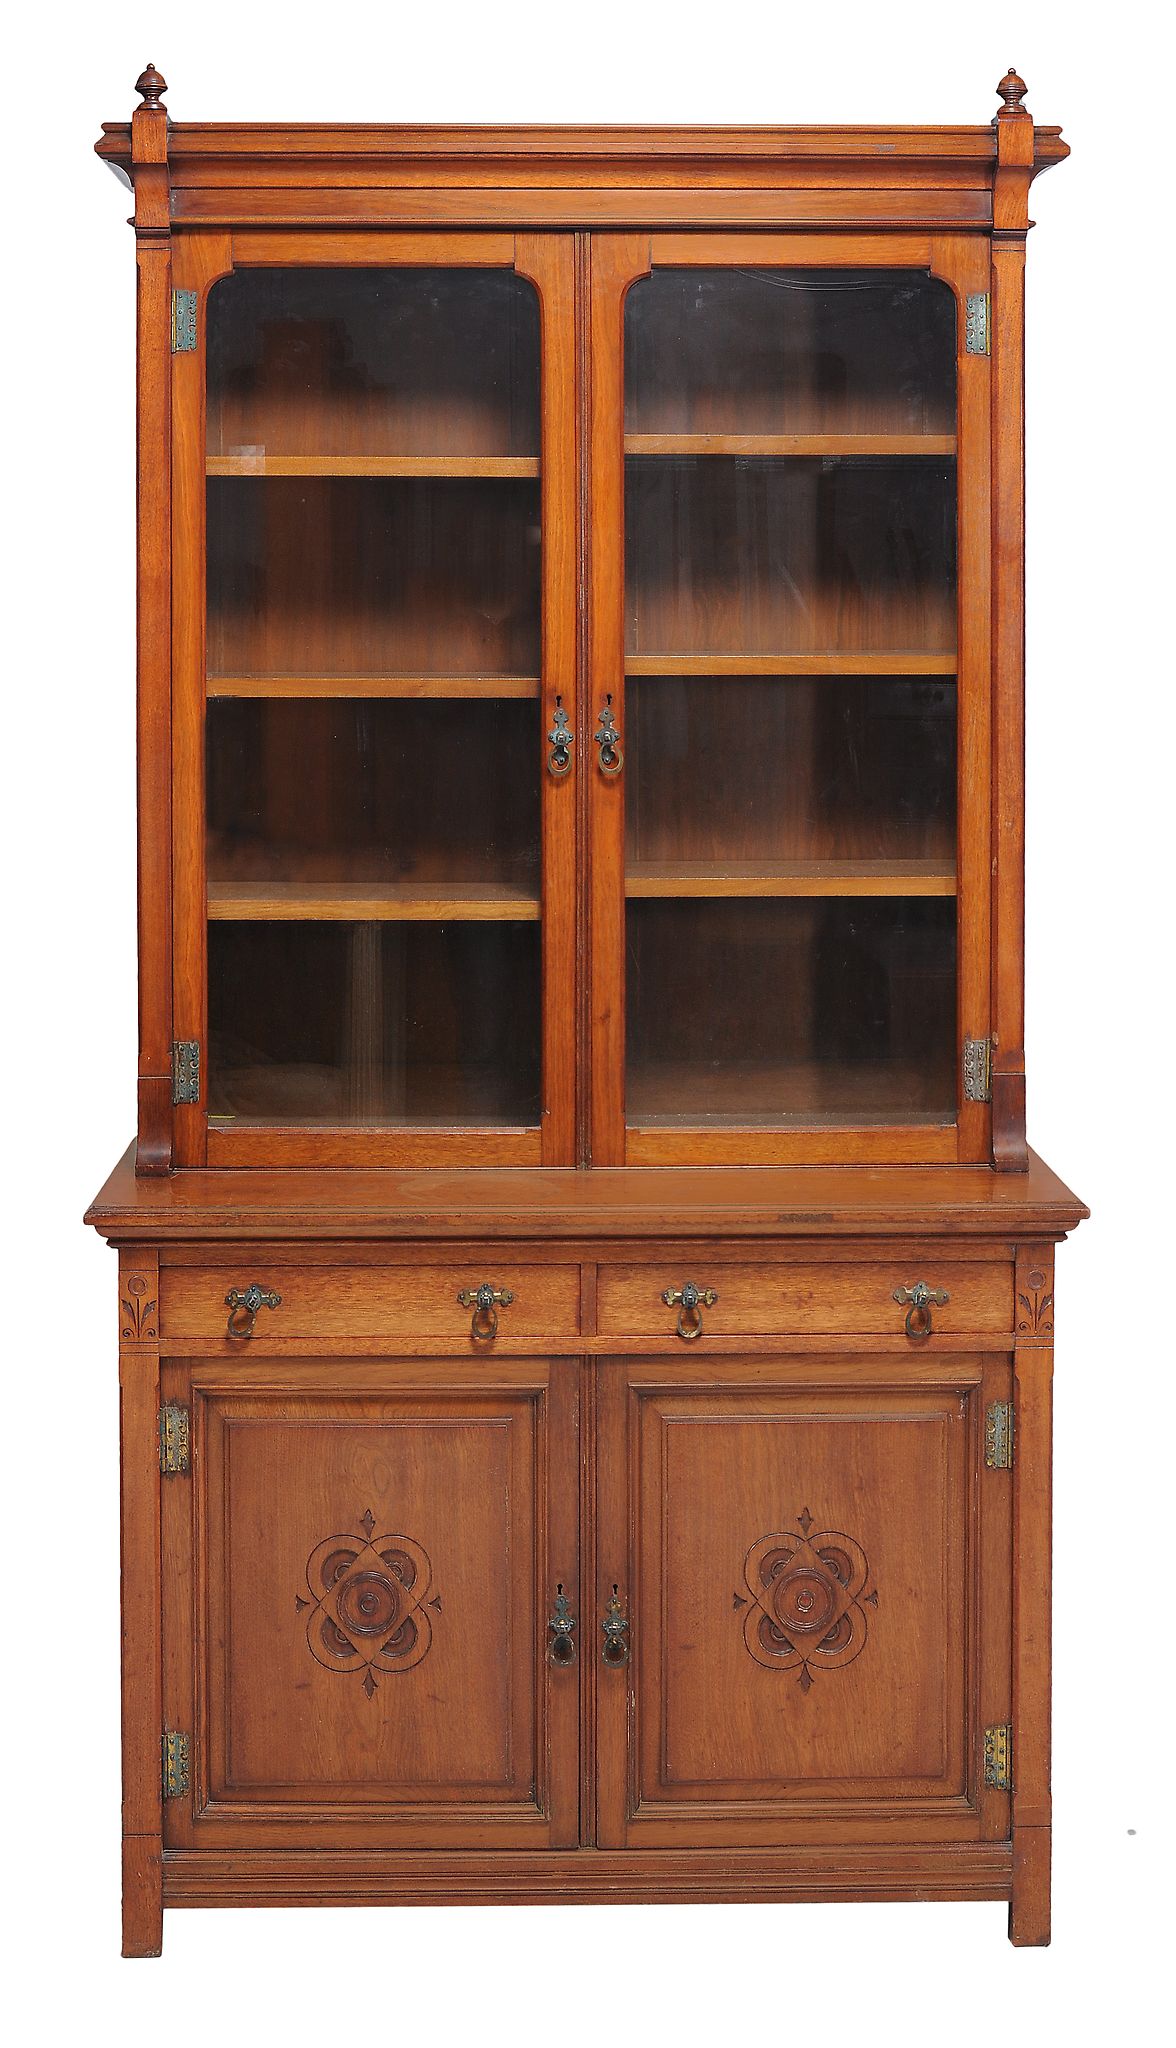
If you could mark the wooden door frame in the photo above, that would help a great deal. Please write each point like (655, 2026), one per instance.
(553, 1385)
(962, 261)
(981, 1813)
(547, 261)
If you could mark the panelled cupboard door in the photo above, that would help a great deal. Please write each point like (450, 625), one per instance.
(360, 1571)
(789, 477)
(373, 636)
(812, 1561)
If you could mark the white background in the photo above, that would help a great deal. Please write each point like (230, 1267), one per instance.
(1100, 1030)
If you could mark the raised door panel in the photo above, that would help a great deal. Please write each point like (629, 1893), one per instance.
(357, 1579)
(812, 1561)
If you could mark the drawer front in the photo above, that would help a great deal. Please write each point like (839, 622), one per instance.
(826, 1300)
(373, 1301)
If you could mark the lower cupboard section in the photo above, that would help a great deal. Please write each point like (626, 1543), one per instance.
(486, 1627)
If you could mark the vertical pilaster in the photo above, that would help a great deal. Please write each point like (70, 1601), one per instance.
(142, 1657)
(152, 221)
(1010, 223)
(1029, 1912)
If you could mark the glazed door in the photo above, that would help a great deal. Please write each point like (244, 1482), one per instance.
(374, 634)
(790, 678)
(361, 1573)
(810, 1561)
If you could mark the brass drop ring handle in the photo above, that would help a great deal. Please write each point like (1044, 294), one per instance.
(694, 1300)
(243, 1307)
(921, 1299)
(561, 1644)
(561, 740)
(485, 1302)
(615, 1628)
(610, 759)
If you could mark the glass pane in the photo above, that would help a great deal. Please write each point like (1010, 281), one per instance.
(427, 1023)
(372, 755)
(790, 617)
(786, 352)
(812, 1011)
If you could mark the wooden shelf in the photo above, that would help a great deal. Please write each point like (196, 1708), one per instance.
(822, 1094)
(829, 662)
(770, 445)
(373, 686)
(370, 902)
(792, 878)
(373, 465)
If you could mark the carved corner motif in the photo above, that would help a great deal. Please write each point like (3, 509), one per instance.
(368, 1602)
(1035, 1305)
(137, 1317)
(808, 1599)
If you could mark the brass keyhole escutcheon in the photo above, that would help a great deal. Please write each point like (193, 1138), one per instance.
(610, 759)
(615, 1628)
(561, 1642)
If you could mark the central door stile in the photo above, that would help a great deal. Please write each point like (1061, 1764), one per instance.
(617, 261)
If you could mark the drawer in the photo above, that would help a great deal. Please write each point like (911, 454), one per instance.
(323, 1302)
(827, 1300)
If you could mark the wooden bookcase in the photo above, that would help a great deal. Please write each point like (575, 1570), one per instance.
(586, 1302)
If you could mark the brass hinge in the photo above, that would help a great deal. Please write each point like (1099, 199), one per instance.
(977, 1070)
(175, 1764)
(998, 1437)
(186, 1070)
(183, 322)
(998, 1758)
(976, 324)
(174, 1455)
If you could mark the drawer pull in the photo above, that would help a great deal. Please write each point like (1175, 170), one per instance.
(693, 1300)
(485, 1302)
(615, 1626)
(243, 1307)
(610, 759)
(561, 1644)
(921, 1298)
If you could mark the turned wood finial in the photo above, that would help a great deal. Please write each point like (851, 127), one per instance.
(1012, 91)
(150, 84)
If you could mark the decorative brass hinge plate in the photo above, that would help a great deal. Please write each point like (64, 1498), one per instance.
(978, 1070)
(186, 1070)
(175, 1764)
(183, 322)
(998, 1437)
(976, 324)
(998, 1758)
(174, 1452)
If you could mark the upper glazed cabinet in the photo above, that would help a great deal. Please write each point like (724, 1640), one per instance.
(583, 689)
